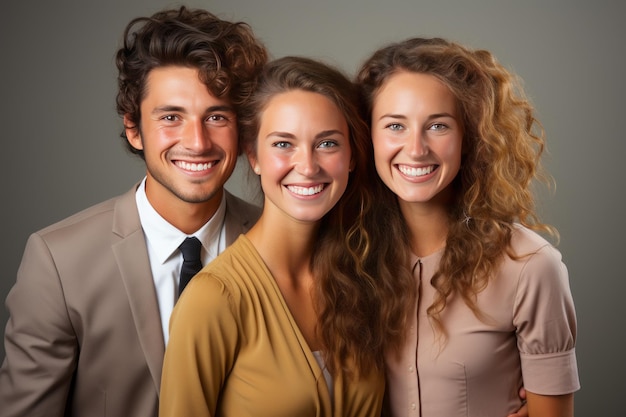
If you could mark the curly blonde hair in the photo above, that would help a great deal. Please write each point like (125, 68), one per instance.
(502, 146)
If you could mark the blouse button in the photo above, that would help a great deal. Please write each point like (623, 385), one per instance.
(411, 369)
(413, 406)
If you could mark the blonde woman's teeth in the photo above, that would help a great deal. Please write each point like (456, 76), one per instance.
(416, 172)
(305, 190)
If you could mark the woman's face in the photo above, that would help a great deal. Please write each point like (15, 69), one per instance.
(302, 155)
(417, 136)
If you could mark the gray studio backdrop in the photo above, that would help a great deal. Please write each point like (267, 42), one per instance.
(61, 150)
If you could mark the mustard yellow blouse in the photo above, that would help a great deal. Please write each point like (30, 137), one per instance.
(235, 350)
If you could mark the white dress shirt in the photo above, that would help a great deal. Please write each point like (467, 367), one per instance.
(162, 241)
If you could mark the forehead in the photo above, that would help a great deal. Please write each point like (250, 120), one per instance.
(410, 87)
(171, 76)
(289, 107)
(177, 83)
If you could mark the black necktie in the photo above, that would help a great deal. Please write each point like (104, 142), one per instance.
(191, 261)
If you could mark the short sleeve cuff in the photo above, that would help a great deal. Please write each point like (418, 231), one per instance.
(550, 373)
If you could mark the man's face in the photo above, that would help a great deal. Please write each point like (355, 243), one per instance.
(189, 139)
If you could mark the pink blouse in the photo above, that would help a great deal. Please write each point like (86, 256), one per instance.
(528, 334)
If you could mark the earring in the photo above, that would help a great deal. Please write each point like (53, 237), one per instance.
(466, 219)
(257, 170)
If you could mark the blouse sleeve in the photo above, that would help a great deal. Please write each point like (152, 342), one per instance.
(201, 349)
(545, 320)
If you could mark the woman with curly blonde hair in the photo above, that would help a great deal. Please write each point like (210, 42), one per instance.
(458, 146)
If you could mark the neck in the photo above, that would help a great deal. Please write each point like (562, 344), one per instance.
(428, 226)
(186, 216)
(286, 247)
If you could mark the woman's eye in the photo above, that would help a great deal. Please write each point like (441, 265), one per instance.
(438, 126)
(395, 126)
(328, 144)
(280, 145)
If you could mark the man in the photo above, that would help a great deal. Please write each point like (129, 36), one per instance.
(90, 308)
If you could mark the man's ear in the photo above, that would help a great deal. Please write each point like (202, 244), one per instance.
(133, 135)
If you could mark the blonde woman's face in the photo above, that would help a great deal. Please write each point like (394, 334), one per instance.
(417, 136)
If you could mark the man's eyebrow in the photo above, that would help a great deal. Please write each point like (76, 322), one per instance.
(173, 108)
(168, 108)
(220, 107)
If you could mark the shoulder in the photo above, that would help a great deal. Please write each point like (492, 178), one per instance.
(81, 219)
(79, 248)
(239, 263)
(240, 208)
(529, 245)
(231, 271)
(95, 217)
(525, 240)
(240, 216)
(223, 289)
(540, 266)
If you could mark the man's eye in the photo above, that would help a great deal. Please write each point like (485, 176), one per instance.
(217, 120)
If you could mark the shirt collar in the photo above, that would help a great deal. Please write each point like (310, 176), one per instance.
(164, 238)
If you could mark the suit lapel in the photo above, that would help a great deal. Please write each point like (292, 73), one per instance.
(132, 258)
(134, 265)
